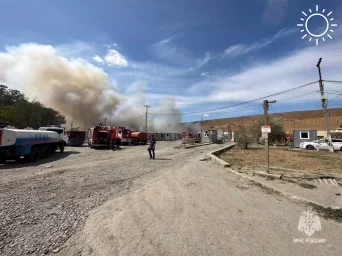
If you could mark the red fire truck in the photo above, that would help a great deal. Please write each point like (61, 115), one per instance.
(114, 138)
(99, 136)
(124, 135)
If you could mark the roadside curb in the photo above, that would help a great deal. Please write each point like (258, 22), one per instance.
(194, 146)
(214, 156)
(281, 192)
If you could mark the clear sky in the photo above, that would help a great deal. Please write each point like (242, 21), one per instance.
(205, 54)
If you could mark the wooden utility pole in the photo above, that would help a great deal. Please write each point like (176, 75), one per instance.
(266, 138)
(146, 117)
(324, 106)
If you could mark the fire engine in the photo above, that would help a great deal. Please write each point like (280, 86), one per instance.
(99, 136)
(124, 135)
(114, 138)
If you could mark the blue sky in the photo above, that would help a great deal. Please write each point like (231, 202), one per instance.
(204, 54)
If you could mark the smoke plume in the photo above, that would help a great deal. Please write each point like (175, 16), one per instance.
(79, 90)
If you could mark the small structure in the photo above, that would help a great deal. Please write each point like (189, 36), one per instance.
(164, 136)
(300, 136)
(212, 136)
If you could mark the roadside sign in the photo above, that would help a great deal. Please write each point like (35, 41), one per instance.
(266, 128)
(264, 135)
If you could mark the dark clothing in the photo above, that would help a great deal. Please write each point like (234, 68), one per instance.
(152, 147)
(150, 151)
(152, 143)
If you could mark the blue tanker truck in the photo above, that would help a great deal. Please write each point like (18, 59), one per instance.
(31, 145)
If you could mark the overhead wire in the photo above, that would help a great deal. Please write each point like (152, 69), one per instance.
(299, 96)
(332, 81)
(335, 97)
(241, 103)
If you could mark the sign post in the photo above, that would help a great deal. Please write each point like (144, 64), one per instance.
(265, 130)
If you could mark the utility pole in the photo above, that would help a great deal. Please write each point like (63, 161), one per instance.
(201, 127)
(146, 117)
(72, 122)
(266, 102)
(228, 130)
(324, 105)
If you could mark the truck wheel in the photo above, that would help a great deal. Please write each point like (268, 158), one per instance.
(46, 152)
(61, 147)
(2, 159)
(35, 155)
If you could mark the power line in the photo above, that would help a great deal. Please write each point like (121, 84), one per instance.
(335, 97)
(333, 81)
(242, 103)
(299, 96)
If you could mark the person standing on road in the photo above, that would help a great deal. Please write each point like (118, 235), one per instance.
(152, 147)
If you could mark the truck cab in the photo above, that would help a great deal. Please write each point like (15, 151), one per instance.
(60, 131)
(125, 135)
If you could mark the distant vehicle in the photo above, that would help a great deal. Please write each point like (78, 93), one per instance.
(138, 137)
(74, 138)
(124, 135)
(322, 144)
(30, 144)
(99, 136)
(58, 129)
(114, 138)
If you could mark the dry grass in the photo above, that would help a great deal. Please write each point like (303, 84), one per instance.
(321, 162)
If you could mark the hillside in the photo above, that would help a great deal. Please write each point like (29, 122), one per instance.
(310, 119)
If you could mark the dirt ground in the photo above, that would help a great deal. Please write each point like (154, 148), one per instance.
(43, 204)
(102, 202)
(200, 208)
(321, 162)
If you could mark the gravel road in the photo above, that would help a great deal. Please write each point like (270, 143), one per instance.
(202, 209)
(43, 204)
(100, 202)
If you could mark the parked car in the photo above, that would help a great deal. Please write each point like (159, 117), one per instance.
(322, 144)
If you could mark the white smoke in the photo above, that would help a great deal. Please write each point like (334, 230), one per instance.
(79, 90)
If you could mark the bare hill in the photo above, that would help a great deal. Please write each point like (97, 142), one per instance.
(310, 119)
